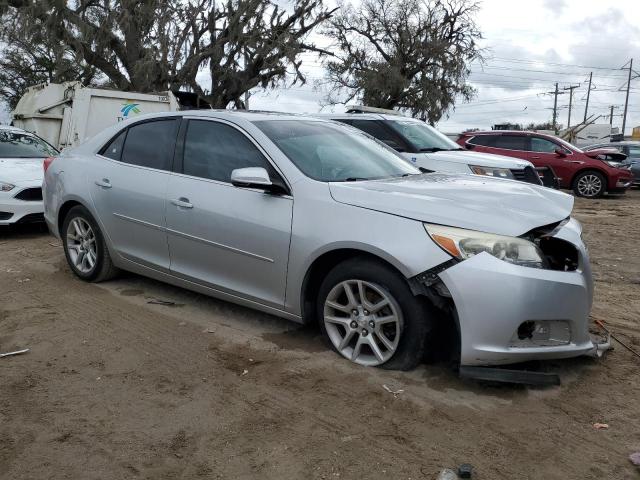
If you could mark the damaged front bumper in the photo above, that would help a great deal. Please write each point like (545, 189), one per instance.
(509, 313)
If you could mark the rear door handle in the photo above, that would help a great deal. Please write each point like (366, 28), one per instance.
(182, 202)
(104, 183)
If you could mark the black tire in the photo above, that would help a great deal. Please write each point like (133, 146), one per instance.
(416, 317)
(589, 177)
(103, 268)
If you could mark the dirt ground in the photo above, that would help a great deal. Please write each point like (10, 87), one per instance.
(117, 388)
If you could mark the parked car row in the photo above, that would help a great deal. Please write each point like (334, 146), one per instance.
(315, 221)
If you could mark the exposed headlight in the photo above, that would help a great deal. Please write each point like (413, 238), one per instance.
(613, 164)
(463, 244)
(491, 172)
(6, 187)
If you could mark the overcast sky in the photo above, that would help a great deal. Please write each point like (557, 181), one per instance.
(530, 45)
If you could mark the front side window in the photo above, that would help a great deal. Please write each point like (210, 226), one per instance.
(151, 144)
(542, 145)
(213, 150)
(511, 142)
(330, 153)
(15, 144)
(376, 129)
(423, 137)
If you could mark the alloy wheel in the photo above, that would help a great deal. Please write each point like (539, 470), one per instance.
(81, 245)
(363, 322)
(589, 185)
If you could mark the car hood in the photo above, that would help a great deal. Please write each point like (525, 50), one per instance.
(479, 158)
(610, 153)
(503, 207)
(14, 170)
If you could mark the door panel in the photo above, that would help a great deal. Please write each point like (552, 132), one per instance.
(132, 210)
(230, 238)
(543, 155)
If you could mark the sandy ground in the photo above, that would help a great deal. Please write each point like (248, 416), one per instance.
(117, 388)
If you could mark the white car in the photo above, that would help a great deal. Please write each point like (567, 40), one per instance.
(21, 173)
(429, 149)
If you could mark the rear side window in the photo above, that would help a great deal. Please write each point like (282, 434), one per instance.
(511, 142)
(113, 150)
(151, 144)
(634, 152)
(483, 140)
(213, 150)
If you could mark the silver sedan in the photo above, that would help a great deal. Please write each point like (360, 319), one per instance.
(316, 222)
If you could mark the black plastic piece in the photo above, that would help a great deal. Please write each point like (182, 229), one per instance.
(465, 470)
(503, 375)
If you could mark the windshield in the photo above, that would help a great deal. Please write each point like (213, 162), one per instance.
(23, 145)
(423, 137)
(334, 153)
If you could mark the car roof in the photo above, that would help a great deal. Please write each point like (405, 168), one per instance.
(11, 128)
(248, 115)
(365, 116)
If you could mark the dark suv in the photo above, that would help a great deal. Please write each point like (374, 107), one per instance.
(588, 174)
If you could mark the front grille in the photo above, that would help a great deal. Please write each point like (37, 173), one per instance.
(5, 215)
(30, 195)
(32, 218)
(526, 174)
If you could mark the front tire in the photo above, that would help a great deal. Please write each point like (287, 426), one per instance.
(368, 314)
(589, 184)
(85, 248)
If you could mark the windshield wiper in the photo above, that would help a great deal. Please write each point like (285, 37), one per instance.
(438, 149)
(355, 179)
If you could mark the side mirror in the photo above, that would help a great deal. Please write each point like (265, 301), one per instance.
(560, 152)
(251, 177)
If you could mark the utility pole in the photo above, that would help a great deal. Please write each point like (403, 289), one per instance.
(555, 109)
(586, 107)
(611, 116)
(626, 102)
(571, 89)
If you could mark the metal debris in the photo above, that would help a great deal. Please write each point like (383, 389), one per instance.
(395, 393)
(17, 352)
(156, 301)
(600, 426)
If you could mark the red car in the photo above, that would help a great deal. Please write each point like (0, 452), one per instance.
(588, 174)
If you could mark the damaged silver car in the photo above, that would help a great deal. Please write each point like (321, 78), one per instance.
(316, 222)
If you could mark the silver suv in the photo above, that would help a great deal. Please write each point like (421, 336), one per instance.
(316, 222)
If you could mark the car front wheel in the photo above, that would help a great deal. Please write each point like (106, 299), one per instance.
(589, 184)
(84, 246)
(369, 315)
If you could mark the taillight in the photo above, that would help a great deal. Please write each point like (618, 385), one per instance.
(47, 161)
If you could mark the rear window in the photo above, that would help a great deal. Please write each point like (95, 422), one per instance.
(511, 142)
(483, 140)
(151, 144)
(15, 144)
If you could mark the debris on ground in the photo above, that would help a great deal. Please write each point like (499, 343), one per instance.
(17, 352)
(55, 244)
(395, 393)
(600, 323)
(24, 280)
(156, 301)
(600, 426)
(447, 474)
(465, 470)
(244, 372)
(635, 458)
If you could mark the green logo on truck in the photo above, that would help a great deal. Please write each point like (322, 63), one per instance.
(129, 107)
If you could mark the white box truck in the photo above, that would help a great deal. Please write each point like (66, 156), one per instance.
(65, 114)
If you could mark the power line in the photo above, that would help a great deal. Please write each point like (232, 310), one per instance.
(517, 60)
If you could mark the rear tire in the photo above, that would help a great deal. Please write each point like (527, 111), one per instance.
(589, 184)
(84, 247)
(387, 328)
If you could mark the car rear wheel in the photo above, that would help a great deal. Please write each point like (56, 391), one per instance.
(589, 184)
(369, 315)
(84, 247)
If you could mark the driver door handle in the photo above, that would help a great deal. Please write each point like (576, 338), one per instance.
(182, 202)
(104, 183)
